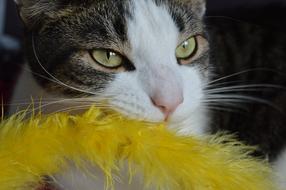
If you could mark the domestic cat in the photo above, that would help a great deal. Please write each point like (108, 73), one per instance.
(144, 43)
(148, 59)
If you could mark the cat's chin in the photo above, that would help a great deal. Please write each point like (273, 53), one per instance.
(192, 123)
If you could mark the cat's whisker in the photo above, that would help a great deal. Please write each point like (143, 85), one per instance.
(24, 103)
(226, 105)
(223, 102)
(247, 87)
(56, 100)
(228, 102)
(220, 98)
(223, 84)
(52, 76)
(103, 96)
(66, 108)
(74, 108)
(240, 73)
(222, 91)
(39, 105)
(221, 108)
(253, 85)
(225, 96)
(91, 102)
(41, 76)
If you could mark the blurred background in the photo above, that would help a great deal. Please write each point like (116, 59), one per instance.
(266, 13)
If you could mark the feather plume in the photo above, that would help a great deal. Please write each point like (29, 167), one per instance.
(43, 145)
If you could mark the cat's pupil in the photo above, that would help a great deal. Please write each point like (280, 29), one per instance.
(110, 54)
(185, 44)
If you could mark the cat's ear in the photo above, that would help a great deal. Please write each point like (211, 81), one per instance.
(34, 12)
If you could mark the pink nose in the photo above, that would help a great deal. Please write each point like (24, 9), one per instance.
(167, 106)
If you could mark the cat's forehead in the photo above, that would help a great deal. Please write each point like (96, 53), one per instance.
(113, 17)
(183, 12)
(88, 24)
(152, 32)
(37, 13)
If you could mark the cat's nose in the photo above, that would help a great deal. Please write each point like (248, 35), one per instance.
(166, 105)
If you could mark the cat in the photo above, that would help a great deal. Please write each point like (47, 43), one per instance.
(125, 29)
(155, 60)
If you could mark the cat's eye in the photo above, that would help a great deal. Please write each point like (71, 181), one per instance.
(107, 58)
(187, 49)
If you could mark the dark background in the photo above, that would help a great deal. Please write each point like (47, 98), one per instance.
(266, 13)
(256, 11)
(263, 12)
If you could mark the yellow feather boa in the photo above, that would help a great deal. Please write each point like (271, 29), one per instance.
(43, 146)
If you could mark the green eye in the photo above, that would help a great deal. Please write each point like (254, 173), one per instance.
(107, 58)
(187, 48)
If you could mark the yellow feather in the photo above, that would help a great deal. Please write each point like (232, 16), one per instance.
(43, 146)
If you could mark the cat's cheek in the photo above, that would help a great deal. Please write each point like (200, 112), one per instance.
(126, 95)
(191, 115)
(139, 112)
(195, 124)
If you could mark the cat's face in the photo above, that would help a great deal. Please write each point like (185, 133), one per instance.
(147, 58)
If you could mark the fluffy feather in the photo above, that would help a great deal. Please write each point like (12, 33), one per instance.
(43, 146)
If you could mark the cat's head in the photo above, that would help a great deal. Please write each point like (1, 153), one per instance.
(148, 58)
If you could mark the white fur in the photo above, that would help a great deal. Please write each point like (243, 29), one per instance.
(93, 179)
(280, 170)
